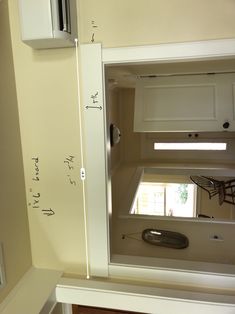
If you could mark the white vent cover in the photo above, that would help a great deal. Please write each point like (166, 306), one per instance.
(48, 23)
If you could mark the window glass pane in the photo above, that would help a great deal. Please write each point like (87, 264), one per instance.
(150, 199)
(169, 199)
(180, 200)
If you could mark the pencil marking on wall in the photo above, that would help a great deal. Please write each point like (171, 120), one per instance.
(69, 163)
(48, 212)
(36, 169)
(93, 107)
(95, 102)
(95, 98)
(94, 27)
(35, 197)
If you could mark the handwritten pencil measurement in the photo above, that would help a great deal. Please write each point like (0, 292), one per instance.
(95, 102)
(69, 162)
(35, 199)
(93, 107)
(36, 169)
(48, 212)
(35, 203)
(94, 27)
(95, 98)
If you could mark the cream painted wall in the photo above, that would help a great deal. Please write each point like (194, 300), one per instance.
(47, 97)
(140, 22)
(14, 231)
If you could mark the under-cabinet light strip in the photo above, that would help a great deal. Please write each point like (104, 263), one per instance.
(82, 160)
(157, 75)
(190, 146)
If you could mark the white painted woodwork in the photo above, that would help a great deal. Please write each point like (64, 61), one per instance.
(40, 24)
(39, 290)
(171, 52)
(140, 298)
(168, 271)
(94, 134)
(184, 103)
(93, 58)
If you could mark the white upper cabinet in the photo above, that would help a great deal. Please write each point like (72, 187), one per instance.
(184, 103)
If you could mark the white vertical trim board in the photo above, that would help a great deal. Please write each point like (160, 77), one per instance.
(94, 133)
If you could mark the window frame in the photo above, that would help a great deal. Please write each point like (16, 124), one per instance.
(165, 186)
(94, 57)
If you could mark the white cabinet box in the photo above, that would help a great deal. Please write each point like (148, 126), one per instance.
(185, 103)
(48, 23)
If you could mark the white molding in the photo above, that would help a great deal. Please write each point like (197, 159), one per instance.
(198, 50)
(201, 274)
(31, 293)
(129, 297)
(37, 285)
(94, 126)
(94, 58)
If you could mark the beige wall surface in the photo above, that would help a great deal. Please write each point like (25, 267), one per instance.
(47, 98)
(141, 22)
(14, 231)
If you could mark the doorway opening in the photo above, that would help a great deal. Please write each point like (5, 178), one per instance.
(163, 196)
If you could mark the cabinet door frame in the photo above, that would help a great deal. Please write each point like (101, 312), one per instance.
(188, 103)
(93, 60)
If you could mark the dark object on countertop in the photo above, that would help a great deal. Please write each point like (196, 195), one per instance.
(165, 238)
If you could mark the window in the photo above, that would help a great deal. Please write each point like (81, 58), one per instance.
(166, 199)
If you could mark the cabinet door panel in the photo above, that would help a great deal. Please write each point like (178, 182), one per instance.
(191, 102)
(185, 103)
